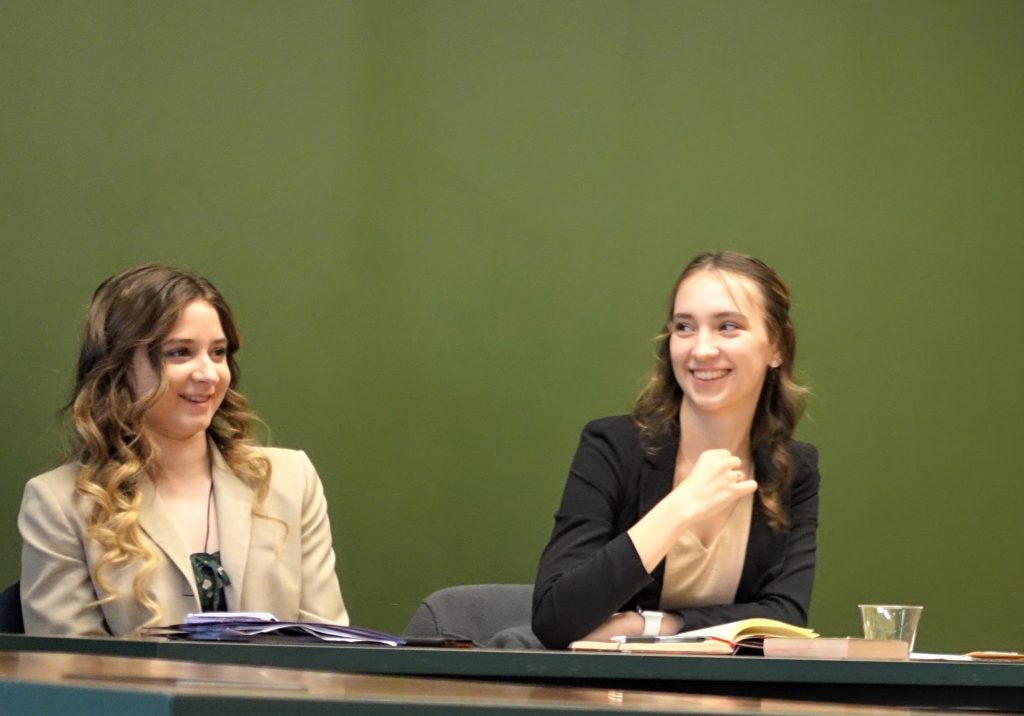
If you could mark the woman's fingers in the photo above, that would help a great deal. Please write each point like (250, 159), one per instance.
(717, 479)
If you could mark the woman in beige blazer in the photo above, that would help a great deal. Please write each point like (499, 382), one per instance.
(165, 505)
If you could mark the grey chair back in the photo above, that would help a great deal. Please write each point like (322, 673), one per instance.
(491, 615)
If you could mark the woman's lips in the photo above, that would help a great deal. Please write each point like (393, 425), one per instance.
(709, 374)
(197, 399)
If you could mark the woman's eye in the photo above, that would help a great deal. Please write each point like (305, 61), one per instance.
(680, 327)
(220, 352)
(729, 327)
(177, 353)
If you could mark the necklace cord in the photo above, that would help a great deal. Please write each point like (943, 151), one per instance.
(209, 505)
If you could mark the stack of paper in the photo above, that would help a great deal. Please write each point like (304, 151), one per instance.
(262, 626)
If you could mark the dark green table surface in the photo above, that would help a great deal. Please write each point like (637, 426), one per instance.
(987, 685)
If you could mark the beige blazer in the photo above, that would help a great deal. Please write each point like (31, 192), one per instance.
(290, 573)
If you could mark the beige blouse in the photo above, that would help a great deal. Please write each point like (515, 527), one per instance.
(699, 575)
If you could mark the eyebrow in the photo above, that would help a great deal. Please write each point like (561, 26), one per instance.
(191, 341)
(719, 315)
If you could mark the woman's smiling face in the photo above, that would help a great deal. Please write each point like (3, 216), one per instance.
(195, 362)
(719, 342)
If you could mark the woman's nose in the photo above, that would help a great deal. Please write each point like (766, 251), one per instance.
(707, 346)
(205, 371)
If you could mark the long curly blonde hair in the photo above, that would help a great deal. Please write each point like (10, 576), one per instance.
(781, 403)
(132, 310)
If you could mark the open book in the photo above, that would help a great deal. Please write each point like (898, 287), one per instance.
(719, 639)
(262, 626)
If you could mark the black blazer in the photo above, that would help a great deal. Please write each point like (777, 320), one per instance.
(590, 569)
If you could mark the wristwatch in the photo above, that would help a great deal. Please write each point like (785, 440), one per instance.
(652, 623)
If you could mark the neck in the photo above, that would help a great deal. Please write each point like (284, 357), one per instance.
(184, 464)
(701, 431)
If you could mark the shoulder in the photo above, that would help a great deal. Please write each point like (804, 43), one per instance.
(58, 482)
(619, 429)
(621, 435)
(613, 443)
(292, 475)
(805, 475)
(804, 455)
(51, 494)
(286, 458)
(289, 467)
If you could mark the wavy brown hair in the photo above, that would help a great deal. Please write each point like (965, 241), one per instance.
(781, 403)
(132, 310)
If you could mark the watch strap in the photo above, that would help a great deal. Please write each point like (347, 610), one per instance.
(652, 623)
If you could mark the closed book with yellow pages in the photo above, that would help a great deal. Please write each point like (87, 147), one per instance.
(846, 648)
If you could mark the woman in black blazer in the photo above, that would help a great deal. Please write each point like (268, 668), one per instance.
(698, 508)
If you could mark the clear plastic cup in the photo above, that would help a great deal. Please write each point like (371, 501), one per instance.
(891, 621)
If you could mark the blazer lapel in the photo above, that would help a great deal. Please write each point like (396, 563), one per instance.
(656, 474)
(234, 524)
(154, 522)
(762, 542)
(657, 471)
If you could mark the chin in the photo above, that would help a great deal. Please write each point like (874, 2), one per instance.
(187, 432)
(707, 405)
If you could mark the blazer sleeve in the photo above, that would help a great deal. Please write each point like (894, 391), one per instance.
(321, 599)
(590, 567)
(57, 594)
(782, 588)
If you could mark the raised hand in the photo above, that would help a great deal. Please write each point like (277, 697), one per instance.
(715, 483)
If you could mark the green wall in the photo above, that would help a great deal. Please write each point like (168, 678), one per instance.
(448, 230)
